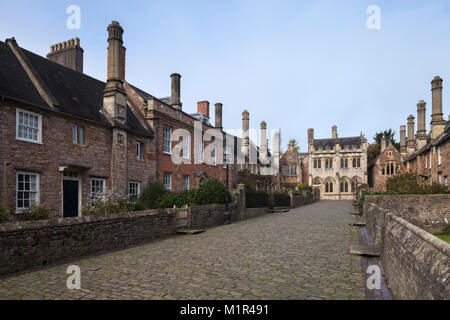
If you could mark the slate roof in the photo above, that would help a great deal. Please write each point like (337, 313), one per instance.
(78, 94)
(350, 141)
(430, 143)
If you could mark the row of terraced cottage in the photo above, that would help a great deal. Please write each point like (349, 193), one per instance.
(67, 137)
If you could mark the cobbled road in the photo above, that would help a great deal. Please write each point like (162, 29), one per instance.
(302, 254)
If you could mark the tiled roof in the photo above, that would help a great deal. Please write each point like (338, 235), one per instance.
(430, 143)
(78, 94)
(350, 141)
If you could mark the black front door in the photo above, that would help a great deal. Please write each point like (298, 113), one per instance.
(70, 202)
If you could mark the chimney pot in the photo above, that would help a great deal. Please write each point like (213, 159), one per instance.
(203, 108)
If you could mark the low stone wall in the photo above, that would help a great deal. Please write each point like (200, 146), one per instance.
(203, 217)
(255, 212)
(415, 263)
(26, 245)
(428, 212)
(298, 201)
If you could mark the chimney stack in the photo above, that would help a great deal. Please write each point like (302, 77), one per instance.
(176, 92)
(383, 143)
(310, 136)
(334, 132)
(219, 108)
(203, 108)
(68, 54)
(264, 145)
(421, 128)
(411, 146)
(114, 96)
(403, 148)
(437, 120)
(245, 135)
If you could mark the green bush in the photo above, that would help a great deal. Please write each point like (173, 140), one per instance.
(414, 184)
(34, 213)
(256, 199)
(4, 213)
(152, 195)
(282, 200)
(212, 191)
(186, 198)
(168, 200)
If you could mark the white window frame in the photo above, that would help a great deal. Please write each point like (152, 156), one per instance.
(186, 187)
(202, 152)
(39, 129)
(140, 150)
(138, 188)
(167, 184)
(439, 155)
(74, 134)
(214, 156)
(167, 139)
(187, 147)
(37, 191)
(90, 188)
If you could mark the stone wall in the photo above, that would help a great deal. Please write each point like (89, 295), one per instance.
(26, 245)
(298, 201)
(203, 217)
(415, 263)
(429, 212)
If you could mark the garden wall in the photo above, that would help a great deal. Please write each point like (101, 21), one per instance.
(25, 245)
(429, 212)
(298, 201)
(415, 263)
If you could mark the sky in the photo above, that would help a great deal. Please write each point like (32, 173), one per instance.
(294, 64)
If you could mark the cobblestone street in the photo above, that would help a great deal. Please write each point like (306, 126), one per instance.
(302, 254)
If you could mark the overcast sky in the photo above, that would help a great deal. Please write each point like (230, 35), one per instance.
(295, 64)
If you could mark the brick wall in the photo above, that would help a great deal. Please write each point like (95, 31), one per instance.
(415, 263)
(57, 148)
(28, 245)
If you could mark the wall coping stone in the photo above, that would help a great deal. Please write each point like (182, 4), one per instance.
(439, 244)
(36, 225)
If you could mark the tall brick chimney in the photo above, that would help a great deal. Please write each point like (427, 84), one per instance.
(437, 120)
(310, 136)
(383, 143)
(334, 132)
(411, 140)
(203, 108)
(114, 96)
(246, 136)
(219, 108)
(421, 127)
(264, 143)
(403, 148)
(68, 54)
(176, 91)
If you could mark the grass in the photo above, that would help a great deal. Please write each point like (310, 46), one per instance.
(445, 237)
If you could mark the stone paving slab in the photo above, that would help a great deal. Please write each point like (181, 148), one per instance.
(300, 255)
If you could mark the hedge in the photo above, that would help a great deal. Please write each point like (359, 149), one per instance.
(282, 200)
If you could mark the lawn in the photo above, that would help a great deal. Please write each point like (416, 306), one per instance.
(445, 237)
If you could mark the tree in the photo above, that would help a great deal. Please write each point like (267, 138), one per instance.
(374, 150)
(390, 137)
(294, 144)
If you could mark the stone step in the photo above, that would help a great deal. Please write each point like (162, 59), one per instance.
(358, 223)
(190, 232)
(279, 210)
(367, 251)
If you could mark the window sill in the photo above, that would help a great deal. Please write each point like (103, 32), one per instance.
(30, 141)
